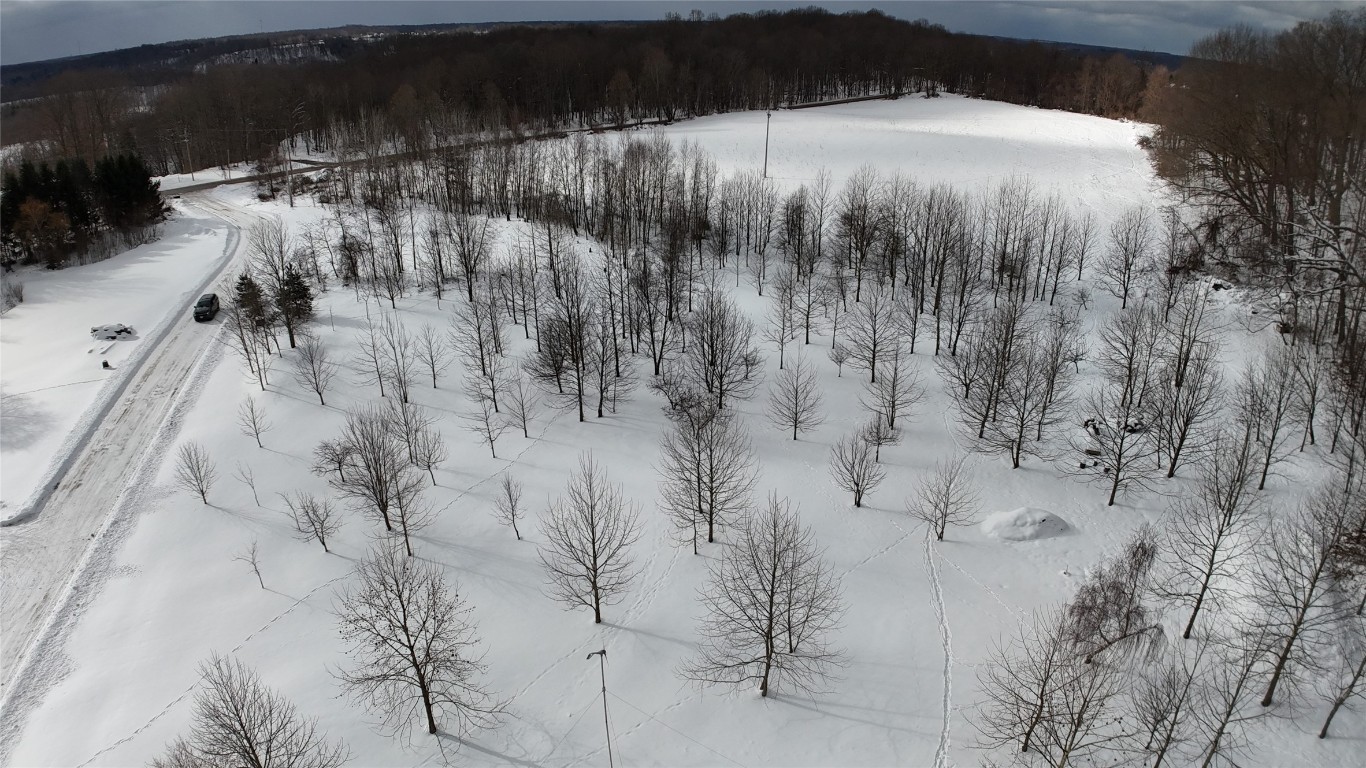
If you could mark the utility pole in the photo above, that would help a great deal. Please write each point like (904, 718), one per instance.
(767, 121)
(602, 670)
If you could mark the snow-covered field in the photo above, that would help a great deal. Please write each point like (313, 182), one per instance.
(920, 618)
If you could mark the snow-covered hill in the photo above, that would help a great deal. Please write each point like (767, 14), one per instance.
(920, 618)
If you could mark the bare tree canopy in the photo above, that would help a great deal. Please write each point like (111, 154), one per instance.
(854, 468)
(195, 471)
(589, 532)
(239, 721)
(771, 603)
(414, 651)
(948, 497)
(795, 399)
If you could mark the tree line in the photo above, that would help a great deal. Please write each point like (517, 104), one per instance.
(420, 91)
(1262, 136)
(51, 213)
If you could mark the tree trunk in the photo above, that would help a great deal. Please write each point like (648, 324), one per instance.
(1343, 696)
(1280, 667)
(1199, 601)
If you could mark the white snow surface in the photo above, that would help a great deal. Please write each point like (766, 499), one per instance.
(920, 619)
(50, 374)
(1024, 524)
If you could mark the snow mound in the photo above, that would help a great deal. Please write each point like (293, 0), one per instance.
(1024, 524)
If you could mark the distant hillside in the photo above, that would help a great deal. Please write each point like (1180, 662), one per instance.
(1169, 60)
(160, 63)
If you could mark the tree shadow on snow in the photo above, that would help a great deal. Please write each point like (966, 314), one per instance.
(22, 422)
(832, 709)
(645, 633)
(458, 742)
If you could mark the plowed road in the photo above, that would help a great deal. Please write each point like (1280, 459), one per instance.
(41, 556)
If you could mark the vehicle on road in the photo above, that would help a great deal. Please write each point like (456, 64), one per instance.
(206, 308)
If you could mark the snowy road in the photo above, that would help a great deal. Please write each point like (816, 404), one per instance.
(41, 556)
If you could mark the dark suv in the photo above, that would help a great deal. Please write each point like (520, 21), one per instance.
(206, 307)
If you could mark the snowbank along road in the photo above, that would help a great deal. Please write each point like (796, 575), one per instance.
(41, 553)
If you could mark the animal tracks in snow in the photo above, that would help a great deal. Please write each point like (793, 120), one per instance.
(941, 754)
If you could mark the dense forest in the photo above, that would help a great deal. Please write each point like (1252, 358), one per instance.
(1263, 138)
(50, 212)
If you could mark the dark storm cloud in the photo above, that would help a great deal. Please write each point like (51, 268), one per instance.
(43, 29)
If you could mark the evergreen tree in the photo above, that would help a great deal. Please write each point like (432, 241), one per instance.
(251, 301)
(294, 301)
(127, 195)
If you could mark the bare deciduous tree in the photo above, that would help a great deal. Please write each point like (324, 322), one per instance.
(853, 467)
(429, 450)
(1229, 697)
(1084, 719)
(1293, 584)
(244, 475)
(1130, 257)
(520, 402)
(720, 356)
(895, 390)
(839, 355)
(251, 556)
(331, 456)
(1123, 445)
(945, 498)
(239, 721)
(1108, 613)
(195, 471)
(589, 532)
(432, 352)
(507, 504)
(1211, 531)
(794, 400)
(1040, 696)
(1165, 698)
(398, 355)
(487, 423)
(872, 331)
(369, 360)
(1265, 405)
(771, 603)
(1187, 405)
(251, 418)
(369, 460)
(707, 470)
(1020, 680)
(878, 434)
(313, 367)
(314, 518)
(411, 510)
(1351, 673)
(413, 647)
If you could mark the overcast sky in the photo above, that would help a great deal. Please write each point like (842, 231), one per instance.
(33, 30)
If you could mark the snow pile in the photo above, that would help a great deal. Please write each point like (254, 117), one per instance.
(1024, 524)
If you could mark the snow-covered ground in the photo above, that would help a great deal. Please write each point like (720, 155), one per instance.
(920, 618)
(52, 381)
